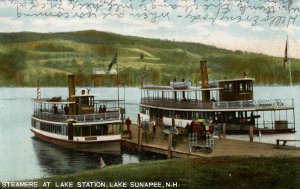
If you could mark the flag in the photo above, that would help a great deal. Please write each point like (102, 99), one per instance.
(285, 53)
(143, 77)
(101, 162)
(113, 61)
(38, 92)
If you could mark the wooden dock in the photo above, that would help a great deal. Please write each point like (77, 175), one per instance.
(158, 143)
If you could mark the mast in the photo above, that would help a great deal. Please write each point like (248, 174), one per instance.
(204, 80)
(71, 87)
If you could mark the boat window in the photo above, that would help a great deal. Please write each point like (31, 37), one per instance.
(83, 100)
(96, 130)
(230, 87)
(77, 131)
(249, 86)
(85, 131)
(113, 129)
(241, 87)
(246, 86)
(91, 101)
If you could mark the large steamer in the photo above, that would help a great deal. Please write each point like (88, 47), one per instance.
(225, 102)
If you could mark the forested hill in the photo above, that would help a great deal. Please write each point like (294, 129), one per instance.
(25, 57)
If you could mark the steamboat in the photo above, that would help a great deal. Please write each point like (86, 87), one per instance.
(226, 103)
(80, 122)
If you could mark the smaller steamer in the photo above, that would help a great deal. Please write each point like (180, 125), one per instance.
(79, 122)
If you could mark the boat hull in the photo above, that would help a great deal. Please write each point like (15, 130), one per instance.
(109, 147)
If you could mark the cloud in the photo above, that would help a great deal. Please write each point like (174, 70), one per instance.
(10, 21)
(248, 26)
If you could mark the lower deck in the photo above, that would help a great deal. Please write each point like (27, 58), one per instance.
(94, 137)
(237, 121)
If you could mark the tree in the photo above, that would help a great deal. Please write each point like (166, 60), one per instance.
(12, 64)
(142, 56)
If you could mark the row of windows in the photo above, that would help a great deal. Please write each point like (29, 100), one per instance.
(89, 100)
(58, 129)
(228, 87)
(94, 130)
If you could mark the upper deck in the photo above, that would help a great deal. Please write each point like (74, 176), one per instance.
(223, 95)
(194, 105)
(99, 111)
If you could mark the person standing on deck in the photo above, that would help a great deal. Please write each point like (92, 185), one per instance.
(191, 127)
(66, 109)
(174, 132)
(128, 124)
(146, 131)
(153, 126)
(100, 109)
(54, 108)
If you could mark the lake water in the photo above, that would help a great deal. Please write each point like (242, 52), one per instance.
(24, 157)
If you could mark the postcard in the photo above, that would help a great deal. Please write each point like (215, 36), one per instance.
(94, 92)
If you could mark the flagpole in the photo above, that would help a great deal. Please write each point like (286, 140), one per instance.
(291, 81)
(287, 60)
(290, 69)
(118, 79)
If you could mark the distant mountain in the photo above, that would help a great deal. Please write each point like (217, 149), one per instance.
(27, 56)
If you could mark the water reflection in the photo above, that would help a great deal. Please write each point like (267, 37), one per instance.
(57, 160)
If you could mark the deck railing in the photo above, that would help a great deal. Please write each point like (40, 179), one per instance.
(243, 104)
(107, 116)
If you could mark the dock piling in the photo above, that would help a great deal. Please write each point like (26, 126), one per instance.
(224, 130)
(251, 133)
(170, 141)
(170, 146)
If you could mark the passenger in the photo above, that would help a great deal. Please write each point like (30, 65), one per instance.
(66, 109)
(153, 125)
(192, 126)
(128, 123)
(54, 108)
(145, 125)
(211, 120)
(100, 109)
(174, 132)
(213, 99)
(252, 119)
(104, 108)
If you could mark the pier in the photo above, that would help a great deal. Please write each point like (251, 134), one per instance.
(158, 143)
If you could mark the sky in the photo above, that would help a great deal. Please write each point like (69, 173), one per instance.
(260, 26)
